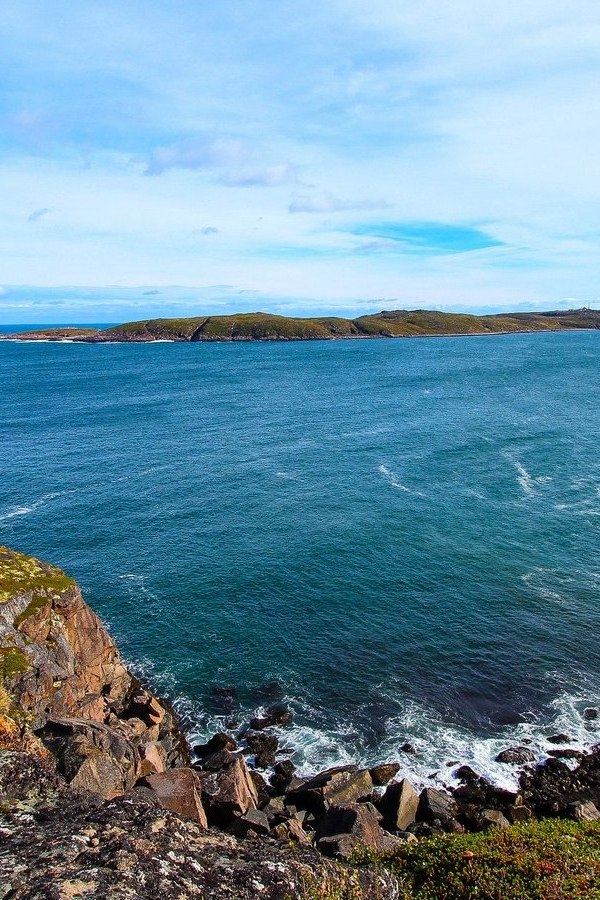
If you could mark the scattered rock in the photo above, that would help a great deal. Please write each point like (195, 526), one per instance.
(591, 713)
(566, 753)
(516, 756)
(466, 773)
(263, 747)
(399, 805)
(343, 784)
(408, 748)
(493, 818)
(179, 791)
(559, 739)
(263, 794)
(345, 827)
(282, 775)
(277, 715)
(383, 773)
(228, 793)
(224, 699)
(254, 822)
(437, 806)
(271, 690)
(584, 811)
(219, 741)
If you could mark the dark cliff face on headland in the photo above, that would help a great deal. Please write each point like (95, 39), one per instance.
(266, 327)
(98, 798)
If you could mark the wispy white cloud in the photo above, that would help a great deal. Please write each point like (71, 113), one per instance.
(39, 213)
(136, 120)
(325, 202)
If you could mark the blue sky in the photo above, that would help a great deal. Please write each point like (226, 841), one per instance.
(331, 156)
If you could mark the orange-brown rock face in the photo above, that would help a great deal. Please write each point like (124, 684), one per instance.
(66, 682)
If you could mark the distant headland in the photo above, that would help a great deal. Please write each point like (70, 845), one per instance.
(267, 327)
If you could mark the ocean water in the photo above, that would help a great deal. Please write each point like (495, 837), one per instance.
(403, 535)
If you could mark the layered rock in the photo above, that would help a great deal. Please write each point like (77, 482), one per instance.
(68, 685)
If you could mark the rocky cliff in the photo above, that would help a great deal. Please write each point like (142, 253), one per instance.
(99, 797)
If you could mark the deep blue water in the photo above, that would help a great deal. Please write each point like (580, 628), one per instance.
(403, 534)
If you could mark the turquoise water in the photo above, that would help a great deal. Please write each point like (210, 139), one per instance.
(403, 534)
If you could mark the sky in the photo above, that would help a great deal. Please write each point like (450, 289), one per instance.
(180, 157)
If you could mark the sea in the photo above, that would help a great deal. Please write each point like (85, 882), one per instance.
(398, 538)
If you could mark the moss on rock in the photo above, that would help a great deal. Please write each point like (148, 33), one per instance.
(21, 574)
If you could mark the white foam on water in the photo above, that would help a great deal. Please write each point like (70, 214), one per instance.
(441, 747)
(392, 478)
(525, 479)
(16, 511)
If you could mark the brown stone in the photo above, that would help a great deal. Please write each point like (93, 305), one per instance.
(399, 805)
(383, 773)
(101, 774)
(345, 827)
(344, 784)
(179, 790)
(152, 758)
(230, 792)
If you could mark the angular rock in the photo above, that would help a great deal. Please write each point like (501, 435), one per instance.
(585, 811)
(380, 775)
(179, 791)
(399, 805)
(516, 756)
(343, 784)
(228, 793)
(345, 827)
(282, 775)
(263, 747)
(276, 715)
(437, 806)
(466, 773)
(561, 738)
(254, 822)
(290, 830)
(153, 758)
(493, 818)
(101, 774)
(218, 741)
(263, 794)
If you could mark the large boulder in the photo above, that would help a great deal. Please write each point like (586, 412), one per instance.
(179, 791)
(383, 773)
(344, 827)
(229, 792)
(263, 747)
(399, 805)
(516, 756)
(276, 715)
(437, 807)
(343, 784)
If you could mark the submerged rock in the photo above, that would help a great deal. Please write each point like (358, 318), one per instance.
(517, 756)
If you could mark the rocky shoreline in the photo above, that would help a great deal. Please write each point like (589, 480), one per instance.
(92, 763)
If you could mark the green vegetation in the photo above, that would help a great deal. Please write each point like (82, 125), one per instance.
(266, 327)
(24, 574)
(544, 860)
(13, 661)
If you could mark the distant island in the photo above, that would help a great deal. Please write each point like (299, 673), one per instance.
(266, 327)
